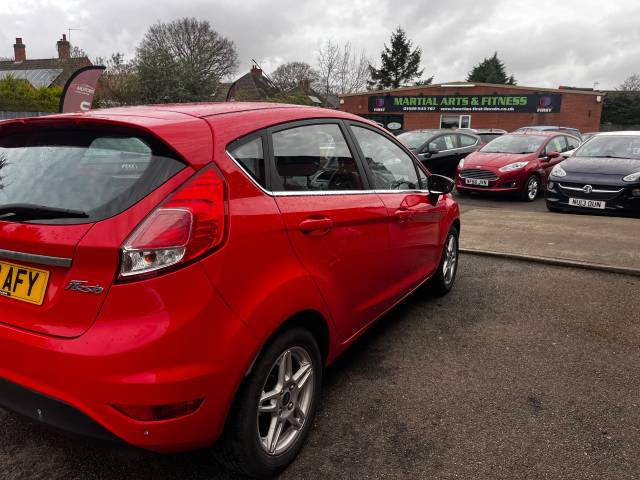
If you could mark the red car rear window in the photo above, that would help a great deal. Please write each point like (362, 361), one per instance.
(92, 171)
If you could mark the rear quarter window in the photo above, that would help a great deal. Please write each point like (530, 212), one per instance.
(93, 171)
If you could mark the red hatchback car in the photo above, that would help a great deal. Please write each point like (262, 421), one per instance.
(518, 163)
(173, 274)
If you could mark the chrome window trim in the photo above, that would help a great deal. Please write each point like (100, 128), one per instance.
(315, 192)
(34, 258)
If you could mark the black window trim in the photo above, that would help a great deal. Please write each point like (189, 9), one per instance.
(239, 142)
(276, 184)
(272, 178)
(354, 147)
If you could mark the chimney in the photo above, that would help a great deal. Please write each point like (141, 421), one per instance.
(256, 72)
(19, 50)
(64, 48)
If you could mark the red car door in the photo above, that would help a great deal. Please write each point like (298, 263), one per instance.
(337, 228)
(413, 219)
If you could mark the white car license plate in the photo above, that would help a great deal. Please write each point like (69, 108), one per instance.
(476, 181)
(581, 202)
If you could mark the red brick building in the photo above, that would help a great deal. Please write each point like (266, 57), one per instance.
(477, 105)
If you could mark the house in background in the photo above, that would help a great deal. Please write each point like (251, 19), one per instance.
(255, 86)
(44, 72)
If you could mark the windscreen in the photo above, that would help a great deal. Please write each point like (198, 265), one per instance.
(90, 172)
(414, 139)
(514, 144)
(627, 146)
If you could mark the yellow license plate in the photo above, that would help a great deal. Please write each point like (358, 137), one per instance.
(23, 283)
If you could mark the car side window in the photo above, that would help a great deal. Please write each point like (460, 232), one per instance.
(556, 144)
(390, 166)
(251, 156)
(573, 143)
(443, 143)
(314, 157)
(467, 140)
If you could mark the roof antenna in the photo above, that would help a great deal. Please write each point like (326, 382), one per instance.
(72, 30)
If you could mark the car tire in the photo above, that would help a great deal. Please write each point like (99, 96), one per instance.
(531, 189)
(243, 448)
(444, 278)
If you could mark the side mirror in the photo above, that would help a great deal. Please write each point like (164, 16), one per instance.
(439, 185)
(551, 155)
(430, 150)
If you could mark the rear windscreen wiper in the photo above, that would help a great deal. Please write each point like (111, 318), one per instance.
(27, 211)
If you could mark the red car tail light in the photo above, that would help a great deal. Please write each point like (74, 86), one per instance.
(187, 225)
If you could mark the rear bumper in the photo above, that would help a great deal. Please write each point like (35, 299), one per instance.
(49, 411)
(156, 342)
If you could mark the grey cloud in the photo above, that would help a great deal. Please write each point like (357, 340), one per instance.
(542, 43)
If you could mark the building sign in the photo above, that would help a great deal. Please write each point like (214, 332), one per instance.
(532, 103)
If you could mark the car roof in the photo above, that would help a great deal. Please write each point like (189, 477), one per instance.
(539, 133)
(182, 125)
(617, 134)
(429, 130)
(487, 130)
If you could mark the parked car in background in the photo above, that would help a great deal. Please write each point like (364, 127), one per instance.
(485, 134)
(552, 128)
(602, 176)
(587, 136)
(170, 275)
(514, 163)
(440, 150)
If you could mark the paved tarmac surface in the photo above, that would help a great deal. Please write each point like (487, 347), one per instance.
(522, 371)
(506, 226)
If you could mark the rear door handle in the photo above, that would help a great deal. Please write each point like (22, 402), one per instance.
(316, 225)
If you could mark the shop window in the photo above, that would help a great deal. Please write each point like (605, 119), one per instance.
(455, 121)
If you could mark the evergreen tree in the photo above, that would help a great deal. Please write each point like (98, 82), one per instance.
(399, 64)
(491, 70)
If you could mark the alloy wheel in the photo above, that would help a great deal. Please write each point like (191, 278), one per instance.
(450, 259)
(285, 400)
(532, 188)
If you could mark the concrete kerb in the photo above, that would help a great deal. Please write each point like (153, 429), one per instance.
(554, 261)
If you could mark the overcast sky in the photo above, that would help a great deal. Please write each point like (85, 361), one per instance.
(542, 43)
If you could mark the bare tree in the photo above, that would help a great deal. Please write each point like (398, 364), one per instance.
(77, 52)
(289, 75)
(183, 61)
(630, 84)
(118, 84)
(342, 68)
(353, 70)
(328, 66)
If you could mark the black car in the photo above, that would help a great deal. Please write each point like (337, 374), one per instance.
(440, 150)
(603, 175)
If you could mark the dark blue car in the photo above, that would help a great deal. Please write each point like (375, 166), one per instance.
(602, 176)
